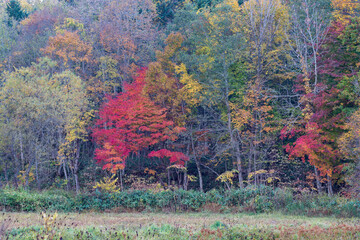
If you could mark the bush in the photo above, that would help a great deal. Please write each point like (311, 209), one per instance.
(249, 199)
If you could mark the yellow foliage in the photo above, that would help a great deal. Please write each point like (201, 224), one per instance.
(266, 176)
(191, 89)
(344, 9)
(240, 116)
(192, 178)
(265, 23)
(227, 176)
(48, 221)
(26, 6)
(272, 179)
(258, 172)
(233, 3)
(253, 112)
(177, 167)
(163, 87)
(216, 19)
(108, 75)
(71, 25)
(69, 49)
(150, 171)
(22, 176)
(108, 184)
(349, 141)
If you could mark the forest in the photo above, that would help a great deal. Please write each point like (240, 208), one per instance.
(102, 96)
(179, 119)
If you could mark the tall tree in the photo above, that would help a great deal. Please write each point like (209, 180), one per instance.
(132, 122)
(68, 49)
(126, 34)
(213, 32)
(306, 36)
(40, 109)
(325, 106)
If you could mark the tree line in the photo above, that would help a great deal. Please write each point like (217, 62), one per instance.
(192, 94)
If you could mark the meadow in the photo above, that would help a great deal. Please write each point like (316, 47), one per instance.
(169, 226)
(249, 213)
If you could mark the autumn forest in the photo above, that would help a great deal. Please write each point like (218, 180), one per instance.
(180, 94)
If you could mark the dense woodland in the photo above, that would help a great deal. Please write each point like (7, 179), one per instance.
(191, 94)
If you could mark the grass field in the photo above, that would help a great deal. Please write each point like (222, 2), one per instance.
(175, 226)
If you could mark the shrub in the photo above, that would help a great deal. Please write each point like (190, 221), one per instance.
(249, 199)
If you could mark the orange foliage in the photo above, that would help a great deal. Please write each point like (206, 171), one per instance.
(68, 49)
(162, 86)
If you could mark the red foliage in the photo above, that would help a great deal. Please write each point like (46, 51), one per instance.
(315, 139)
(174, 157)
(132, 122)
(315, 146)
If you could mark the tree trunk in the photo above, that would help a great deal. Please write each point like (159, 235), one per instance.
(197, 162)
(76, 169)
(185, 181)
(77, 186)
(37, 173)
(6, 173)
(17, 164)
(238, 158)
(317, 177)
(36, 160)
(121, 179)
(66, 176)
(233, 142)
(329, 183)
(27, 175)
(249, 165)
(22, 152)
(27, 171)
(201, 185)
(168, 175)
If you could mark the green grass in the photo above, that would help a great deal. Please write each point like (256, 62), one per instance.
(179, 226)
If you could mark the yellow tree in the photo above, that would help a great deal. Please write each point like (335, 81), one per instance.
(162, 84)
(106, 81)
(253, 120)
(265, 24)
(170, 86)
(68, 48)
(349, 141)
(344, 9)
(349, 144)
(46, 118)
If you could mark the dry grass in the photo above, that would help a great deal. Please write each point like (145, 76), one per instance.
(193, 221)
(180, 226)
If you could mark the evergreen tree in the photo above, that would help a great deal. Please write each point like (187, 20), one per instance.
(15, 11)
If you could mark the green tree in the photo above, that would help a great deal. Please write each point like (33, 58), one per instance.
(15, 11)
(43, 117)
(213, 44)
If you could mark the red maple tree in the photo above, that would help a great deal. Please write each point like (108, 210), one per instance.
(315, 140)
(131, 122)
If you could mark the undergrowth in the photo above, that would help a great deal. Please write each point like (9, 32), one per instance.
(251, 200)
